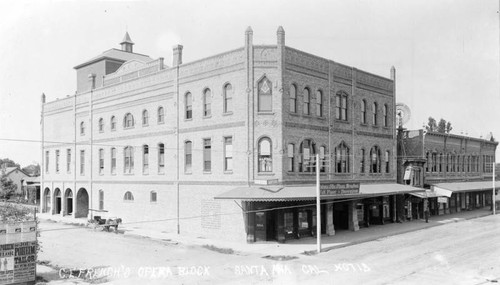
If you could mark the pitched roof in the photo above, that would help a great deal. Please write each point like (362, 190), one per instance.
(126, 39)
(117, 55)
(8, 170)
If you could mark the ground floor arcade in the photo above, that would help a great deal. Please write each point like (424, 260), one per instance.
(65, 203)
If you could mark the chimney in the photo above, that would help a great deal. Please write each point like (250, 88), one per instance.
(281, 36)
(43, 98)
(177, 58)
(92, 80)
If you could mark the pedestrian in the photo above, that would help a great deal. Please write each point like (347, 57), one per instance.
(426, 210)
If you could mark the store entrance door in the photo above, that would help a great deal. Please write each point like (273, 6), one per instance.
(260, 226)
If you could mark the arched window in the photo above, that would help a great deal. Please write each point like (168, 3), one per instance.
(113, 123)
(265, 95)
(161, 115)
(374, 113)
(341, 106)
(440, 167)
(306, 151)
(207, 103)
(319, 103)
(342, 158)
(101, 125)
(447, 162)
(153, 197)
(307, 101)
(128, 121)
(188, 159)
(128, 196)
(228, 98)
(322, 158)
(161, 158)
(145, 159)
(265, 155)
(363, 112)
(188, 104)
(386, 122)
(128, 164)
(375, 160)
(293, 99)
(145, 118)
(427, 162)
(82, 128)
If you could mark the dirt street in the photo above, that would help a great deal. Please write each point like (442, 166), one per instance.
(456, 253)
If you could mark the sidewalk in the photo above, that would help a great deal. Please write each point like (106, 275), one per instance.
(341, 238)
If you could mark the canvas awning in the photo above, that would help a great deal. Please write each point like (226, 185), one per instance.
(446, 189)
(300, 193)
(426, 194)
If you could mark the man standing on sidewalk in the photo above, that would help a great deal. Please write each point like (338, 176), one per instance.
(426, 210)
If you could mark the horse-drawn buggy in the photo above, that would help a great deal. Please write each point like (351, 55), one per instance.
(104, 224)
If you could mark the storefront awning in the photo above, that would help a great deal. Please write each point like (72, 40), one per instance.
(298, 193)
(446, 189)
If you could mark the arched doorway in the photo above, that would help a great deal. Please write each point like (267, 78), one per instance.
(82, 204)
(46, 207)
(69, 202)
(57, 201)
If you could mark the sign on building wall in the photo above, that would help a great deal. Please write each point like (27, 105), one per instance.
(338, 189)
(18, 248)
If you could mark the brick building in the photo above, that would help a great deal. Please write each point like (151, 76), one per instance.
(212, 147)
(456, 169)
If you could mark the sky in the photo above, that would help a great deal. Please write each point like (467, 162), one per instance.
(446, 53)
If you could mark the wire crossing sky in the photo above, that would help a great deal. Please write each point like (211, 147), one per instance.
(446, 53)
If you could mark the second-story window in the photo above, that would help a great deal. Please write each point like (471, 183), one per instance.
(47, 161)
(265, 95)
(161, 158)
(363, 112)
(374, 113)
(82, 162)
(307, 100)
(128, 161)
(145, 159)
(207, 103)
(342, 158)
(362, 161)
(386, 122)
(82, 128)
(188, 101)
(68, 160)
(113, 123)
(375, 160)
(57, 161)
(101, 161)
(128, 121)
(322, 160)
(207, 155)
(386, 159)
(113, 160)
(228, 154)
(291, 157)
(161, 115)
(293, 99)
(145, 118)
(265, 155)
(101, 125)
(319, 103)
(188, 156)
(341, 106)
(228, 98)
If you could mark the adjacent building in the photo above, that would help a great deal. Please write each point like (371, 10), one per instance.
(224, 146)
(17, 175)
(457, 171)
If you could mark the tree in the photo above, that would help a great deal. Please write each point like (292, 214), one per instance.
(448, 127)
(8, 163)
(32, 169)
(7, 187)
(441, 128)
(431, 125)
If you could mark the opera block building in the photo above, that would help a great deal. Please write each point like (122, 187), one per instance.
(225, 146)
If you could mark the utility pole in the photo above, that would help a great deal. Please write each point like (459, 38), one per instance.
(493, 202)
(318, 208)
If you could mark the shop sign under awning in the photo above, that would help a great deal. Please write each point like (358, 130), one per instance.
(300, 193)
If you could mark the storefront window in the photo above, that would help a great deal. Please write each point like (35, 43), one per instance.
(303, 223)
(289, 222)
